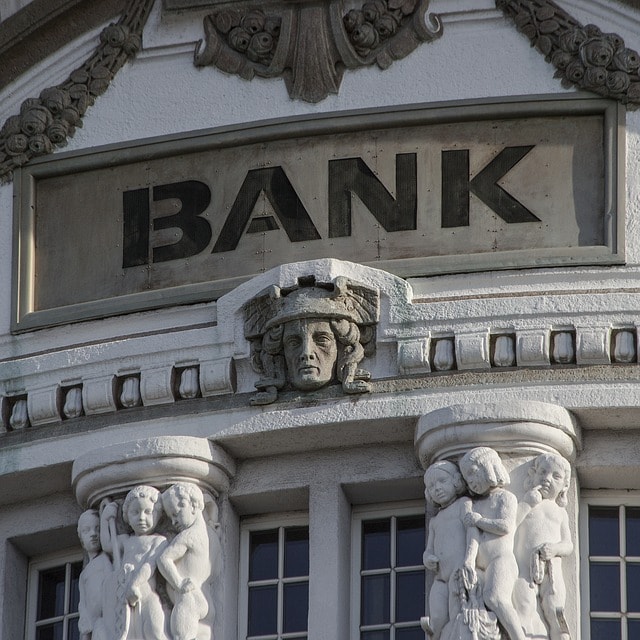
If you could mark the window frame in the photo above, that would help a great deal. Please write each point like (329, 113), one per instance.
(36, 565)
(263, 523)
(359, 514)
(602, 499)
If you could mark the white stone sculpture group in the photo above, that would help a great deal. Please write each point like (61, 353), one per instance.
(497, 561)
(153, 581)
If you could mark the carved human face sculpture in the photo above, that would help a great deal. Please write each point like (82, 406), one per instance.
(476, 478)
(142, 516)
(550, 478)
(441, 487)
(89, 532)
(310, 351)
(181, 511)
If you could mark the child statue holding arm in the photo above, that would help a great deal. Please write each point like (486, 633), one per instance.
(492, 524)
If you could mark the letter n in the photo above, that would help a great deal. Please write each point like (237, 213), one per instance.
(352, 176)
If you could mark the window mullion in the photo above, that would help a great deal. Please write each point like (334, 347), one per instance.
(67, 600)
(392, 578)
(281, 550)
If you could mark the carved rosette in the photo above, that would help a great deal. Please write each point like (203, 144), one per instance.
(584, 56)
(311, 45)
(48, 121)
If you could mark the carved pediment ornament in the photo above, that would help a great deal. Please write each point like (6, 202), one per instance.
(310, 335)
(583, 56)
(311, 44)
(49, 120)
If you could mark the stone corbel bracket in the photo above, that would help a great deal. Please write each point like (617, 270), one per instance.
(583, 56)
(48, 121)
(310, 45)
(159, 462)
(526, 427)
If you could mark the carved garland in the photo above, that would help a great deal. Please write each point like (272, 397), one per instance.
(309, 46)
(583, 56)
(49, 120)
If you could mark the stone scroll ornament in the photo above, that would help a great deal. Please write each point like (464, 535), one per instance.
(151, 560)
(49, 120)
(584, 56)
(310, 44)
(311, 335)
(497, 561)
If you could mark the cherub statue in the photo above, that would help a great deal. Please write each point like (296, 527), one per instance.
(490, 543)
(95, 573)
(446, 544)
(144, 616)
(543, 538)
(187, 563)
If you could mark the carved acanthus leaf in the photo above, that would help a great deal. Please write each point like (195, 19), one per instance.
(583, 56)
(309, 46)
(48, 121)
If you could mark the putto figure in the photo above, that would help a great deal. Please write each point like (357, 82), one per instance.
(492, 523)
(189, 563)
(446, 545)
(311, 335)
(543, 538)
(140, 614)
(94, 580)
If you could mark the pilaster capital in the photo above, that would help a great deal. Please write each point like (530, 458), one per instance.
(159, 462)
(517, 428)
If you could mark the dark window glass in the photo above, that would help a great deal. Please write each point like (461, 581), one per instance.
(296, 552)
(605, 586)
(263, 610)
(410, 542)
(263, 555)
(633, 531)
(409, 596)
(72, 631)
(375, 599)
(604, 537)
(49, 632)
(76, 568)
(51, 593)
(410, 633)
(633, 587)
(375, 635)
(633, 629)
(296, 607)
(376, 544)
(605, 629)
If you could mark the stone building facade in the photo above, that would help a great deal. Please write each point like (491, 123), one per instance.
(319, 320)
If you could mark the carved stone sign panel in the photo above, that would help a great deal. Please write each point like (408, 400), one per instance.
(419, 191)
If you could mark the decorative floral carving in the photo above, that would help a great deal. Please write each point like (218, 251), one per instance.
(49, 120)
(584, 56)
(376, 22)
(308, 45)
